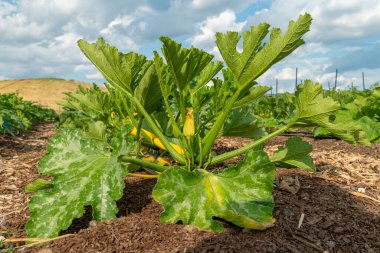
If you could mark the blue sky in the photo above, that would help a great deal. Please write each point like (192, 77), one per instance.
(38, 38)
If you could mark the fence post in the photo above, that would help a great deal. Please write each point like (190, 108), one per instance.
(276, 86)
(363, 80)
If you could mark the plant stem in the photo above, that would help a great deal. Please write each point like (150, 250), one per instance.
(182, 105)
(142, 175)
(231, 154)
(177, 156)
(137, 138)
(145, 164)
(210, 137)
(149, 144)
(175, 126)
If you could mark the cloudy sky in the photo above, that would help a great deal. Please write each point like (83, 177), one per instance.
(38, 37)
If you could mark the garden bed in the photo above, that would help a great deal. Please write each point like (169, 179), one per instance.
(335, 219)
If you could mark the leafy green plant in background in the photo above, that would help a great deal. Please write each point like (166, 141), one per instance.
(361, 110)
(274, 111)
(89, 105)
(167, 109)
(18, 115)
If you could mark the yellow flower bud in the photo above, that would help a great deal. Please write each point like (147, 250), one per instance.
(150, 134)
(177, 148)
(148, 158)
(188, 128)
(160, 145)
(163, 161)
(134, 133)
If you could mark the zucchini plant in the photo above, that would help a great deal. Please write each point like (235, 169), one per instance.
(172, 109)
(18, 115)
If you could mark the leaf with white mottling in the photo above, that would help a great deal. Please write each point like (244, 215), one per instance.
(241, 195)
(85, 172)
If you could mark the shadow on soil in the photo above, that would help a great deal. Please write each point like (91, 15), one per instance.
(334, 221)
(135, 198)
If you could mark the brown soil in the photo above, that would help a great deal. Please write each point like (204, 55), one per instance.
(335, 220)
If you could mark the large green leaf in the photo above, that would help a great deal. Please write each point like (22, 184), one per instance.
(257, 57)
(165, 79)
(148, 90)
(241, 195)
(311, 104)
(370, 127)
(363, 130)
(207, 74)
(85, 172)
(242, 123)
(120, 70)
(184, 64)
(312, 109)
(96, 130)
(295, 154)
(251, 95)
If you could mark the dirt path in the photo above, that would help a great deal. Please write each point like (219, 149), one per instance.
(18, 160)
(334, 219)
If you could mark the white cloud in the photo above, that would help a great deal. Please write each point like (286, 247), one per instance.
(332, 20)
(96, 75)
(225, 21)
(38, 38)
(218, 4)
(83, 67)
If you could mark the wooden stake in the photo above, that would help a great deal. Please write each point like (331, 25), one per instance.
(363, 80)
(276, 87)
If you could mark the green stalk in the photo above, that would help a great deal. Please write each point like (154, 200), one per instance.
(210, 137)
(200, 153)
(137, 138)
(231, 154)
(149, 144)
(182, 105)
(176, 129)
(145, 164)
(133, 120)
(177, 156)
